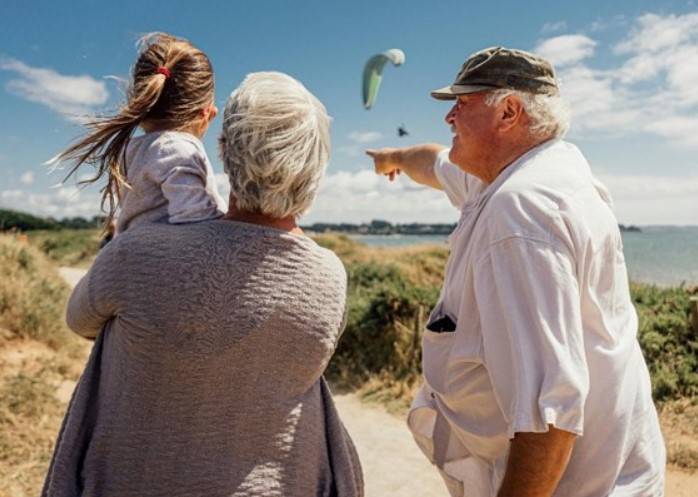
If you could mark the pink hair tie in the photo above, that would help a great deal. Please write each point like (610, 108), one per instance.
(164, 71)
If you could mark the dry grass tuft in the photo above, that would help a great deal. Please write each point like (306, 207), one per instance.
(679, 421)
(40, 361)
(419, 264)
(32, 295)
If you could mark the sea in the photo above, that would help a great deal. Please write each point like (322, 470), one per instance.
(659, 255)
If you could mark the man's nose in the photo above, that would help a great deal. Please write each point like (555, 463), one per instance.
(449, 116)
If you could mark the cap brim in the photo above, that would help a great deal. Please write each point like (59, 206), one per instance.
(451, 92)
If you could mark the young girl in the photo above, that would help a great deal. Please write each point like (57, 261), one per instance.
(163, 175)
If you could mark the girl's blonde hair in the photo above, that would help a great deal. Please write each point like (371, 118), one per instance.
(171, 83)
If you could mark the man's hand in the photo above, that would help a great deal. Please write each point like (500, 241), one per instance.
(536, 463)
(417, 162)
(385, 162)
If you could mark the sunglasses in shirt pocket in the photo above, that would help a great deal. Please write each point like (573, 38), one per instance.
(442, 325)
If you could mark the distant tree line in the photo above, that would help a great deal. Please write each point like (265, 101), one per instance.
(21, 221)
(379, 227)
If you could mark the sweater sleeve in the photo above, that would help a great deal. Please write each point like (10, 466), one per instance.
(91, 304)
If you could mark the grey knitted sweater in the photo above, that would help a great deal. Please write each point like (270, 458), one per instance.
(206, 376)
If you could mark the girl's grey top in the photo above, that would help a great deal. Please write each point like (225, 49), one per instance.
(206, 374)
(171, 181)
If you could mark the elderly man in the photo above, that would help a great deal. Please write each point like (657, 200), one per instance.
(535, 384)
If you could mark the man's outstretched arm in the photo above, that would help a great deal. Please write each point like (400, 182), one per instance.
(536, 463)
(417, 162)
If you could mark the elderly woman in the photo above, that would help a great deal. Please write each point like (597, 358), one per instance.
(211, 338)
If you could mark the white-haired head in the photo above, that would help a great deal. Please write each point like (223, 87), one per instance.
(549, 115)
(275, 145)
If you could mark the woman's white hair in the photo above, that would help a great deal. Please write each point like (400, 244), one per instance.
(549, 115)
(275, 145)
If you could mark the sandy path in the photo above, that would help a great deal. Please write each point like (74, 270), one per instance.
(393, 465)
(71, 275)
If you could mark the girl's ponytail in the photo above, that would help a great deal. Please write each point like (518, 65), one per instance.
(171, 83)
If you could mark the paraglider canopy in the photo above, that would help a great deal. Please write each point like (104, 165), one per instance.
(373, 73)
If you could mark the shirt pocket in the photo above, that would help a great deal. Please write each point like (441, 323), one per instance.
(436, 351)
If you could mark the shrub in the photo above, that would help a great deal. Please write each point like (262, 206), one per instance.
(32, 295)
(67, 247)
(385, 322)
(388, 304)
(667, 339)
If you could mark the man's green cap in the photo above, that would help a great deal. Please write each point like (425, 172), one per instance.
(500, 67)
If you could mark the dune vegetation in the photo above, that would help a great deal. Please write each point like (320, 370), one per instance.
(390, 294)
(392, 290)
(40, 360)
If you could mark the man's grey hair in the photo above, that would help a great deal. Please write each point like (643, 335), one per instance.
(275, 145)
(549, 114)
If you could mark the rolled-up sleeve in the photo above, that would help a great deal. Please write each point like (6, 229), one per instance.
(453, 179)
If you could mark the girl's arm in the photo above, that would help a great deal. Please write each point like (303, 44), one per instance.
(191, 195)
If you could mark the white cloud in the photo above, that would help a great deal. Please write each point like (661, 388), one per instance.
(666, 47)
(682, 73)
(650, 89)
(654, 33)
(361, 196)
(606, 23)
(566, 49)
(27, 178)
(642, 67)
(65, 201)
(365, 137)
(72, 96)
(349, 150)
(358, 141)
(554, 27)
(679, 129)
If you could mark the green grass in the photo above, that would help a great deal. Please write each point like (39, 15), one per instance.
(67, 247)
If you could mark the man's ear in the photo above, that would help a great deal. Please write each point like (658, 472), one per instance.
(511, 111)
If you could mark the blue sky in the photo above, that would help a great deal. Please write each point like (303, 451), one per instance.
(629, 69)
